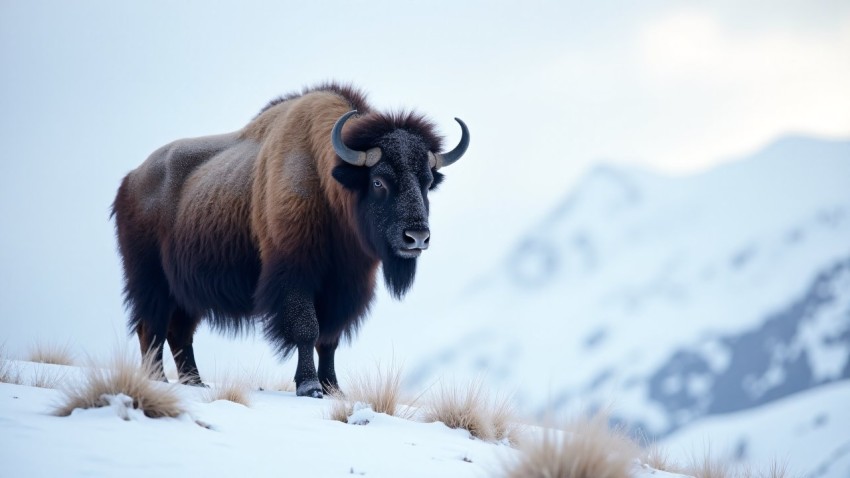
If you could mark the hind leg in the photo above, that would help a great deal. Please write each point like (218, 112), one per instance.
(181, 331)
(151, 341)
(150, 303)
(146, 288)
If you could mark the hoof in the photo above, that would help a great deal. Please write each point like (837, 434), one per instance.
(192, 380)
(310, 388)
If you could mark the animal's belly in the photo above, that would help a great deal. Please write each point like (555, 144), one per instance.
(216, 280)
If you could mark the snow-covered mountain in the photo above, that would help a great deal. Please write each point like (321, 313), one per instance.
(673, 299)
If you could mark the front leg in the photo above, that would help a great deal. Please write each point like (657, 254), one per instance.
(293, 325)
(327, 374)
(306, 381)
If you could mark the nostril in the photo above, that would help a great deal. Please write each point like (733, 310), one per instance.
(416, 239)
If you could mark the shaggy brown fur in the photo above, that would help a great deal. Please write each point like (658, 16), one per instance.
(267, 222)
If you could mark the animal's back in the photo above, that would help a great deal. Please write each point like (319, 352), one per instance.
(152, 190)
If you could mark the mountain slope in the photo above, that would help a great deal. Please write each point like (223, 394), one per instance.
(672, 298)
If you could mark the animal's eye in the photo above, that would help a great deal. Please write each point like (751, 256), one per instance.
(378, 184)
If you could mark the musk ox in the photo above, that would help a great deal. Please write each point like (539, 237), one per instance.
(282, 223)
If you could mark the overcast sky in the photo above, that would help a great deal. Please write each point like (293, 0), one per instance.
(88, 89)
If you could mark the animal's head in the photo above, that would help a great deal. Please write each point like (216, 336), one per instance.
(391, 163)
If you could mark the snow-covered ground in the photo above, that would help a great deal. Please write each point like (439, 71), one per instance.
(278, 435)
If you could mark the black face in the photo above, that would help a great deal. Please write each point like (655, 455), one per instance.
(392, 204)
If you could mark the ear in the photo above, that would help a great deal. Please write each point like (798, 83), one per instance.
(351, 177)
(438, 178)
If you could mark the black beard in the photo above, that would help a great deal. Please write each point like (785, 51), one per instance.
(399, 274)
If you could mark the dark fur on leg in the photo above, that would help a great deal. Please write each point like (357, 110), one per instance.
(327, 373)
(291, 324)
(181, 331)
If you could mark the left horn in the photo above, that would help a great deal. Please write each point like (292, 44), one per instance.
(352, 156)
(440, 160)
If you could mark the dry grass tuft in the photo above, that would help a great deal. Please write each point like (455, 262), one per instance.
(341, 408)
(461, 407)
(470, 407)
(658, 458)
(231, 388)
(381, 391)
(708, 465)
(44, 377)
(9, 373)
(123, 375)
(503, 416)
(711, 466)
(51, 354)
(586, 448)
(776, 470)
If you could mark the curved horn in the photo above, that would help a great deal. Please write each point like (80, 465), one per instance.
(444, 159)
(350, 156)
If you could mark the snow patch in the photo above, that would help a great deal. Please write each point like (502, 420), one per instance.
(122, 405)
(362, 414)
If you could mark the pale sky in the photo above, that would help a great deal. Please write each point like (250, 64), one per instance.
(88, 89)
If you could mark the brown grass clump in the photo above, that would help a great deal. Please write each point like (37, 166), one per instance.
(586, 448)
(51, 354)
(504, 419)
(381, 391)
(123, 375)
(659, 459)
(775, 470)
(470, 407)
(712, 466)
(43, 377)
(9, 373)
(461, 407)
(340, 408)
(708, 465)
(230, 388)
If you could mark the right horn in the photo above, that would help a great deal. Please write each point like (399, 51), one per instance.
(440, 160)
